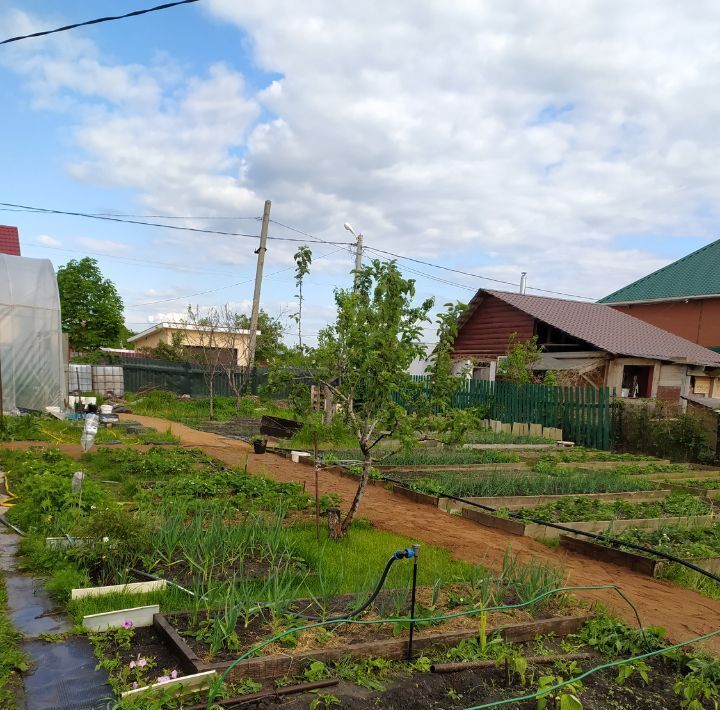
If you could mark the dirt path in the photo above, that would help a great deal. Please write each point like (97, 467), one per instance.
(682, 612)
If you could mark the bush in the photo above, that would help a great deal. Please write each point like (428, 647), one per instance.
(659, 429)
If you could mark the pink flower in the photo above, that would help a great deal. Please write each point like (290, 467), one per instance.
(142, 662)
(163, 678)
(135, 685)
(132, 664)
(127, 624)
(173, 674)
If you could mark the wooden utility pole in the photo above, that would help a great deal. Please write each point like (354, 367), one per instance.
(252, 345)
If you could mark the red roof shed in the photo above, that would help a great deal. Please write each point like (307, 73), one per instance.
(9, 241)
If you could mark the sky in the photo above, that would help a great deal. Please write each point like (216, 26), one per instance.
(575, 141)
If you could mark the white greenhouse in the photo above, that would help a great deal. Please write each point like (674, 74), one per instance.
(31, 355)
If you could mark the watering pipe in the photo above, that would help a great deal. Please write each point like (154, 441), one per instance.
(416, 552)
(604, 538)
(407, 553)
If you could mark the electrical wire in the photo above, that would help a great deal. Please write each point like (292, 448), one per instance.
(310, 238)
(215, 688)
(223, 288)
(197, 230)
(99, 20)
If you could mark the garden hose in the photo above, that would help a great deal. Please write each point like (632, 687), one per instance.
(217, 685)
(407, 553)
(604, 538)
(612, 664)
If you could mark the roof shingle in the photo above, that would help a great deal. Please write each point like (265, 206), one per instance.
(606, 328)
(697, 274)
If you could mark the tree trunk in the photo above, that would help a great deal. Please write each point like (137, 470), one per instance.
(212, 396)
(358, 494)
(334, 526)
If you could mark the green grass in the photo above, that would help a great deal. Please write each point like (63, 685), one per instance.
(506, 484)
(160, 403)
(12, 660)
(487, 436)
(578, 453)
(581, 509)
(69, 431)
(434, 457)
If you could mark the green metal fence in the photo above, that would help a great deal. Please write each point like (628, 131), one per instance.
(585, 414)
(183, 377)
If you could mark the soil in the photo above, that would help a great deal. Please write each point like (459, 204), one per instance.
(147, 644)
(682, 612)
(428, 691)
(392, 602)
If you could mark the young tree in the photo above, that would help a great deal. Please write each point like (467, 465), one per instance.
(91, 309)
(210, 351)
(303, 259)
(231, 339)
(363, 358)
(517, 367)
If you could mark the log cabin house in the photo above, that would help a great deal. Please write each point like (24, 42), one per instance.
(592, 342)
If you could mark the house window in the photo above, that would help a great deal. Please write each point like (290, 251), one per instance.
(637, 380)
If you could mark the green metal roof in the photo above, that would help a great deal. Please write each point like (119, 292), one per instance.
(697, 274)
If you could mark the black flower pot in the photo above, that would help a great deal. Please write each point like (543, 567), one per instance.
(260, 447)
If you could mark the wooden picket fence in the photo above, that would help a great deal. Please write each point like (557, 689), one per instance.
(585, 414)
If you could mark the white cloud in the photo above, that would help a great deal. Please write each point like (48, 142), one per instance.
(48, 241)
(104, 246)
(553, 138)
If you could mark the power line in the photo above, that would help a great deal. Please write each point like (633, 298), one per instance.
(126, 259)
(99, 20)
(477, 276)
(87, 215)
(224, 288)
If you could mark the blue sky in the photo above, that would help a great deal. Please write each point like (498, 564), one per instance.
(578, 146)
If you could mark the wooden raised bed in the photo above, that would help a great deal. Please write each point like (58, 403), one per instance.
(517, 502)
(534, 530)
(277, 666)
(603, 553)
(416, 496)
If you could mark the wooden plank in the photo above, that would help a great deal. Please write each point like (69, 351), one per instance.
(593, 550)
(528, 630)
(132, 588)
(416, 496)
(176, 686)
(514, 527)
(536, 430)
(139, 615)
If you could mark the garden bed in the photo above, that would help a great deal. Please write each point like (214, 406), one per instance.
(519, 502)
(544, 532)
(282, 664)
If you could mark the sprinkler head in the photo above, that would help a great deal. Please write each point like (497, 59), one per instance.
(416, 549)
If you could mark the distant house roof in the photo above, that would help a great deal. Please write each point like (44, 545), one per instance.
(697, 274)
(604, 327)
(186, 327)
(9, 240)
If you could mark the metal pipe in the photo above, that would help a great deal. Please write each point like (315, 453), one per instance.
(523, 282)
(416, 552)
(289, 690)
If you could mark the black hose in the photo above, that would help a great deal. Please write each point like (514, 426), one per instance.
(614, 542)
(396, 556)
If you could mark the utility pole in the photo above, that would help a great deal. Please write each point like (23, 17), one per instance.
(358, 257)
(258, 283)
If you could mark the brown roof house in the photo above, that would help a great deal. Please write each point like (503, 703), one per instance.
(603, 346)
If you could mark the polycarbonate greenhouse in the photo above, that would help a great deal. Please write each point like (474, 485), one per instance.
(31, 355)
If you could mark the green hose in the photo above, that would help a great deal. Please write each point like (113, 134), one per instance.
(215, 689)
(613, 664)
